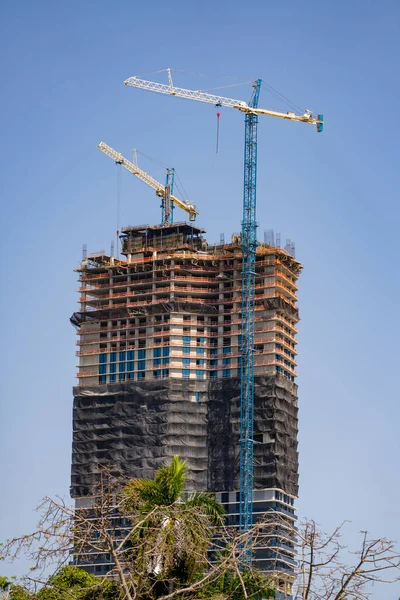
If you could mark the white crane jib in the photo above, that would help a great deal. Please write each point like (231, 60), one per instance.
(200, 96)
(146, 178)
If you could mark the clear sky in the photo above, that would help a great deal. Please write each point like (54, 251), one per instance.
(336, 194)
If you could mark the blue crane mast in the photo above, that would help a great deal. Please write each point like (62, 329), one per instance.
(249, 248)
(167, 205)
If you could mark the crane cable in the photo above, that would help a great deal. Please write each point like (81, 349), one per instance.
(178, 182)
(277, 95)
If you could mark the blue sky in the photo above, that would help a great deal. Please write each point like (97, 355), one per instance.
(63, 67)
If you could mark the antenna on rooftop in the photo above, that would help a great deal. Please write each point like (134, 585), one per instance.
(84, 251)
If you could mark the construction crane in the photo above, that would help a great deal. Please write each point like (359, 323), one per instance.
(249, 246)
(164, 192)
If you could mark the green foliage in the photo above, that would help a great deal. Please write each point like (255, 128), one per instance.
(165, 551)
(228, 585)
(4, 583)
(174, 538)
(68, 583)
(167, 488)
(17, 592)
(78, 584)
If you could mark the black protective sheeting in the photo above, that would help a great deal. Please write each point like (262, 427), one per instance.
(132, 428)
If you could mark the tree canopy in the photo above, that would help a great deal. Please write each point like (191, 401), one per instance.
(164, 544)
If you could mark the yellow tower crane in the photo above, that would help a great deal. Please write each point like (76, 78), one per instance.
(158, 187)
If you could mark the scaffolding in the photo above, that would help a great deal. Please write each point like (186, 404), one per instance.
(177, 295)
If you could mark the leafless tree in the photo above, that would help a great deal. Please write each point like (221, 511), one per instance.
(145, 551)
(327, 569)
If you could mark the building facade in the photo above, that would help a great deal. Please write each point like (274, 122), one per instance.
(159, 337)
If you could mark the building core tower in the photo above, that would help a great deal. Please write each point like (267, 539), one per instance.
(159, 364)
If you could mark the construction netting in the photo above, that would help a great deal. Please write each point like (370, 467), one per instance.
(133, 428)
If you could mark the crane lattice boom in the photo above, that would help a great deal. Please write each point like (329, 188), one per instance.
(200, 96)
(146, 178)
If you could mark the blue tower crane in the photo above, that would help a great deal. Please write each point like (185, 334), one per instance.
(249, 248)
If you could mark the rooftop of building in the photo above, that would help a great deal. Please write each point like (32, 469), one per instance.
(181, 227)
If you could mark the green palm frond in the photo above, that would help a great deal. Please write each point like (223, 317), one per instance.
(174, 538)
(143, 494)
(209, 504)
(171, 478)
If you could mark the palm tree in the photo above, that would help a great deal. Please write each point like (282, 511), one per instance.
(175, 537)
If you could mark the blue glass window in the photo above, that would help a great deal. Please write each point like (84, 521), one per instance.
(186, 373)
(165, 372)
(166, 351)
(122, 367)
(185, 350)
(226, 373)
(131, 355)
(213, 362)
(227, 350)
(200, 361)
(157, 373)
(131, 376)
(103, 358)
(113, 357)
(142, 354)
(199, 350)
(122, 356)
(214, 351)
(197, 396)
(121, 376)
(140, 375)
(186, 339)
(113, 378)
(103, 378)
(141, 365)
(186, 361)
(213, 374)
(165, 361)
(103, 369)
(130, 366)
(156, 362)
(157, 352)
(199, 374)
(226, 361)
(113, 368)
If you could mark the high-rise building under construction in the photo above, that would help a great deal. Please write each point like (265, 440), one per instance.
(159, 338)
